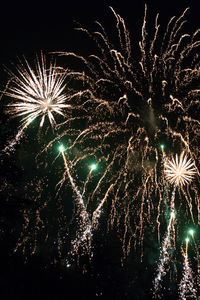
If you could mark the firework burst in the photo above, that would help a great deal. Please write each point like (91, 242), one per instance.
(39, 92)
(179, 171)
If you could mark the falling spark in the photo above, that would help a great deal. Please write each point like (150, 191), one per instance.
(83, 238)
(191, 232)
(187, 289)
(165, 250)
(11, 145)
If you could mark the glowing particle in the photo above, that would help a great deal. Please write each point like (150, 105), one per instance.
(191, 232)
(162, 146)
(187, 240)
(61, 148)
(93, 167)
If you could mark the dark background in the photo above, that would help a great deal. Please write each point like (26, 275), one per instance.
(26, 29)
(48, 26)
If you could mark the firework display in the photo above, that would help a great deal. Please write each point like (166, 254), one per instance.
(127, 148)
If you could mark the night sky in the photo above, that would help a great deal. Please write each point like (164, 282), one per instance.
(26, 30)
(30, 28)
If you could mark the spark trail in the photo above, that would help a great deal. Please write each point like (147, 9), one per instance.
(87, 223)
(165, 252)
(11, 145)
(186, 287)
(83, 238)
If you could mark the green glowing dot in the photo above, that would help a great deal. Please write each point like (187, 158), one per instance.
(61, 148)
(162, 146)
(191, 232)
(187, 240)
(93, 167)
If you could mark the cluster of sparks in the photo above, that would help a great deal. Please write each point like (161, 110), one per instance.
(121, 113)
(38, 92)
(180, 170)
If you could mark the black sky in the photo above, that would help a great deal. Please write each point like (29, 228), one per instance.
(48, 26)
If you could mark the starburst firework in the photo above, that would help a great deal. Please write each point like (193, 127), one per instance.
(38, 92)
(179, 170)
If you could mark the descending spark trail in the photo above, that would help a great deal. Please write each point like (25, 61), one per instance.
(11, 145)
(84, 233)
(166, 248)
(186, 286)
(191, 232)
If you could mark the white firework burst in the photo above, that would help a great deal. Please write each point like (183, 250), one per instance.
(39, 92)
(179, 170)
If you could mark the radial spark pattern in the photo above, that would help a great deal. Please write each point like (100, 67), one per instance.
(180, 170)
(39, 92)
